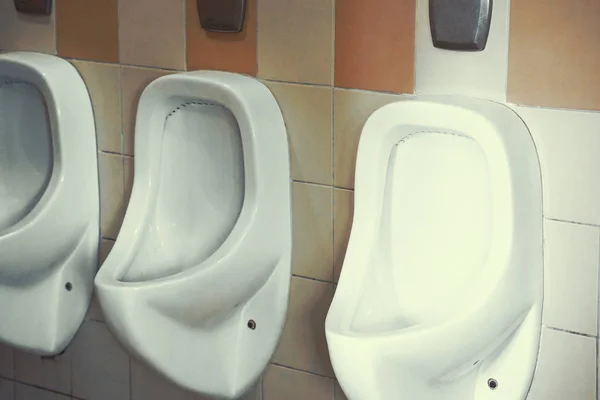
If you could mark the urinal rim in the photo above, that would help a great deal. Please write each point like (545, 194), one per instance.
(229, 90)
(341, 311)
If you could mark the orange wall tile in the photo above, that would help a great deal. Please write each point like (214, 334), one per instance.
(554, 53)
(234, 52)
(87, 30)
(374, 45)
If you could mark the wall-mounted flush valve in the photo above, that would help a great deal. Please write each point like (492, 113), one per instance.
(460, 24)
(222, 15)
(40, 7)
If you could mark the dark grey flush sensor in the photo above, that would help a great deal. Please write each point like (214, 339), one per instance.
(222, 15)
(460, 24)
(39, 7)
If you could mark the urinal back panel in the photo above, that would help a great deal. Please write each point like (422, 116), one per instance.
(200, 191)
(26, 154)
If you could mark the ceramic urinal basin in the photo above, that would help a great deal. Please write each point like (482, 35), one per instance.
(197, 283)
(49, 204)
(440, 293)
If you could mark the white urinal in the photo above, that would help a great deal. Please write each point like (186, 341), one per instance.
(197, 283)
(440, 295)
(49, 204)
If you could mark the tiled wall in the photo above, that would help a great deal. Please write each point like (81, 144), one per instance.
(330, 64)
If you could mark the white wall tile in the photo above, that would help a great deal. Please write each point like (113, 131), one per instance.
(568, 144)
(50, 373)
(24, 392)
(7, 389)
(571, 254)
(479, 74)
(7, 362)
(100, 366)
(566, 368)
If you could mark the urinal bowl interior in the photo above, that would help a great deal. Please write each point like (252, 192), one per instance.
(447, 213)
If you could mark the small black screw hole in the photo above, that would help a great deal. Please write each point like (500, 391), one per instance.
(68, 286)
(492, 384)
(252, 324)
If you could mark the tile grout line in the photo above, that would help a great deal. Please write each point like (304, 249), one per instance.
(570, 332)
(301, 370)
(308, 278)
(572, 222)
(597, 329)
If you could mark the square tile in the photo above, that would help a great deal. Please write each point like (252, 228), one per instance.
(104, 86)
(7, 362)
(24, 392)
(307, 111)
(148, 385)
(352, 108)
(566, 368)
(571, 255)
(7, 389)
(339, 393)
(285, 383)
(296, 40)
(53, 373)
(567, 143)
(343, 213)
(100, 366)
(113, 200)
(23, 32)
(312, 231)
(133, 82)
(152, 33)
(233, 52)
(88, 30)
(255, 393)
(303, 345)
(554, 53)
(375, 45)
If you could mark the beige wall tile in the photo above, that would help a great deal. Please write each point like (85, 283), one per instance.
(48, 373)
(104, 86)
(343, 209)
(113, 201)
(7, 362)
(352, 108)
(339, 393)
(88, 30)
(307, 111)
(296, 40)
(375, 44)
(24, 392)
(312, 231)
(233, 52)
(303, 345)
(285, 383)
(26, 32)
(100, 366)
(133, 82)
(554, 53)
(152, 33)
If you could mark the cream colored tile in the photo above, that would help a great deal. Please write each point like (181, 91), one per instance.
(352, 108)
(133, 82)
(24, 392)
(113, 202)
(339, 393)
(26, 32)
(289, 384)
(567, 143)
(49, 373)
(566, 368)
(343, 209)
(571, 276)
(104, 86)
(303, 345)
(148, 385)
(307, 111)
(7, 362)
(312, 231)
(100, 365)
(7, 389)
(295, 40)
(152, 33)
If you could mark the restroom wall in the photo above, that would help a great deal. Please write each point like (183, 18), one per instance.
(330, 64)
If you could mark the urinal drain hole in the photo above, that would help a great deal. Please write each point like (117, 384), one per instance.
(252, 324)
(492, 383)
(68, 286)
